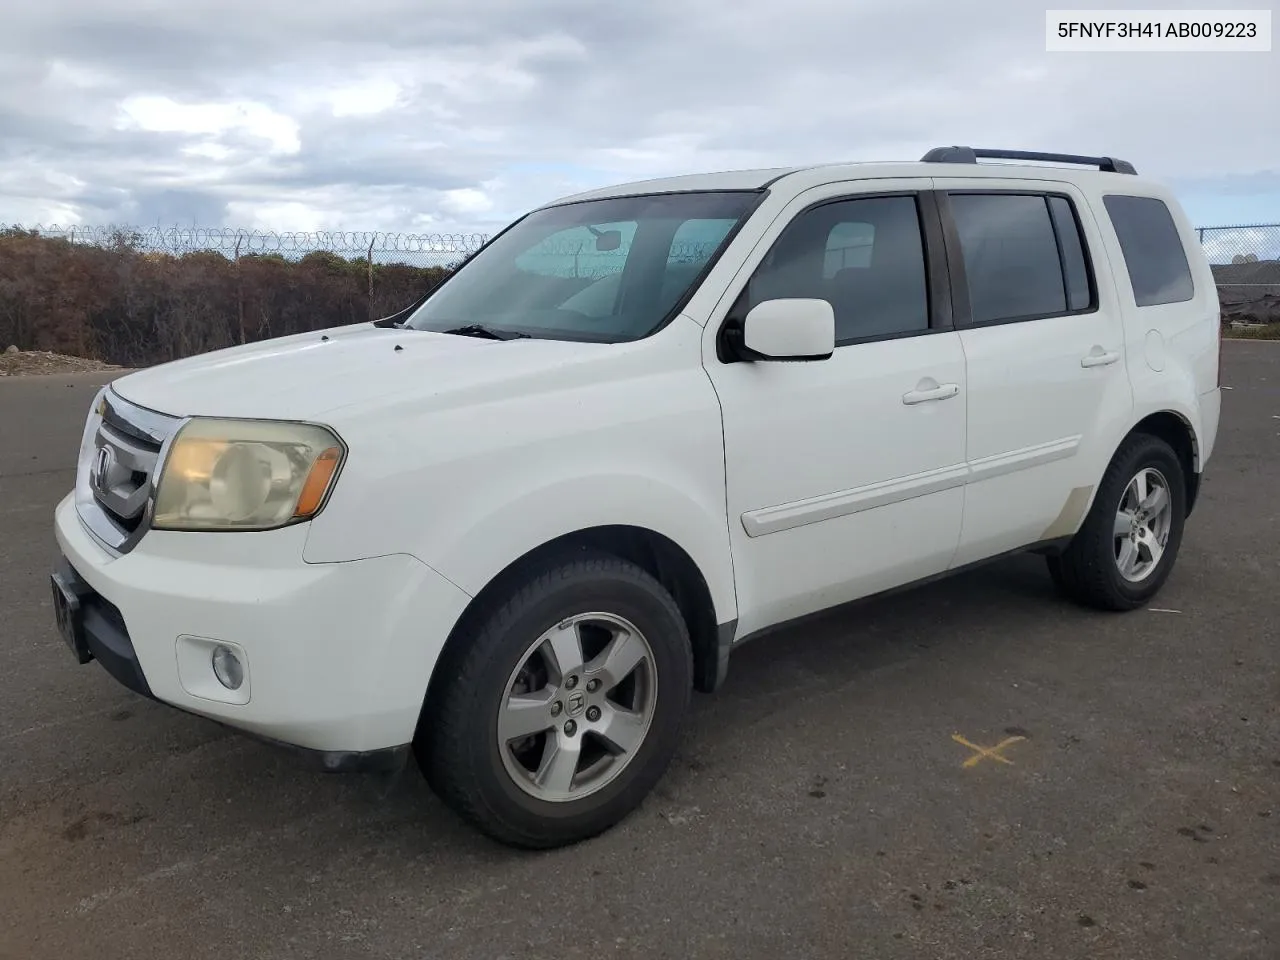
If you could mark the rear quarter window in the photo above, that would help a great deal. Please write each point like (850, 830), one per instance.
(1152, 248)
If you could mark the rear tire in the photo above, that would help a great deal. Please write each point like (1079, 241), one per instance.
(1127, 546)
(592, 655)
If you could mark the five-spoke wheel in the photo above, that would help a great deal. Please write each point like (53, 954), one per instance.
(560, 700)
(577, 707)
(1125, 548)
(1142, 524)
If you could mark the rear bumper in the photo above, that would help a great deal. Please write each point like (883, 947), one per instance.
(1210, 415)
(336, 656)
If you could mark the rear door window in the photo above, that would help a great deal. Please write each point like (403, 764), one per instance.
(1011, 256)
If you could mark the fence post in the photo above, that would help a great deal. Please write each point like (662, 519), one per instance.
(239, 288)
(369, 255)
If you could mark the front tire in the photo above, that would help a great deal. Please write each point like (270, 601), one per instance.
(562, 703)
(1126, 548)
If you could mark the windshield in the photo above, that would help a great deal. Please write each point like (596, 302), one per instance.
(601, 270)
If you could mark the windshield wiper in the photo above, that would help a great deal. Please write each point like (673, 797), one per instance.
(487, 333)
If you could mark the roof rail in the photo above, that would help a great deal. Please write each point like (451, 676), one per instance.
(973, 154)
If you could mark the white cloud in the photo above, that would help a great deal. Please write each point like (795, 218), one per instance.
(465, 202)
(368, 98)
(209, 151)
(163, 114)
(74, 75)
(283, 217)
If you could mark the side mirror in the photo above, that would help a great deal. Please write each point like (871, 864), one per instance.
(791, 329)
(607, 240)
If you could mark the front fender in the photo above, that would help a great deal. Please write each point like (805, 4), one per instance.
(480, 542)
(473, 534)
(626, 436)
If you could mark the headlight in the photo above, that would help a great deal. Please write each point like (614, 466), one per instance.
(245, 475)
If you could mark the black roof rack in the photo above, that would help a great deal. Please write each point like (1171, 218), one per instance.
(973, 154)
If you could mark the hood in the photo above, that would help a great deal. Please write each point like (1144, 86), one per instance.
(301, 377)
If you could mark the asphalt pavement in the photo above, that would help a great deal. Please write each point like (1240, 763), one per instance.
(974, 769)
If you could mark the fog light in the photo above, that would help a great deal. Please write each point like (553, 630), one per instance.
(227, 668)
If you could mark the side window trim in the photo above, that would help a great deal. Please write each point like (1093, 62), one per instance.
(1089, 278)
(942, 290)
(961, 304)
(1062, 254)
(939, 296)
(683, 301)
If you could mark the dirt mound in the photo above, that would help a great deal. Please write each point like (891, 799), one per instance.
(1259, 271)
(1259, 309)
(1249, 289)
(35, 362)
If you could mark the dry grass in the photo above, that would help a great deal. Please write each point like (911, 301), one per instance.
(37, 362)
(1266, 331)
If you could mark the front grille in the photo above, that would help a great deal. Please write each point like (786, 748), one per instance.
(115, 478)
(120, 474)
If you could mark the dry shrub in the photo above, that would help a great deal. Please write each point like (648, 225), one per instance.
(122, 305)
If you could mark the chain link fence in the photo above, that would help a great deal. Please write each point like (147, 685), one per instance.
(576, 257)
(1225, 246)
(1245, 243)
(1246, 265)
(409, 249)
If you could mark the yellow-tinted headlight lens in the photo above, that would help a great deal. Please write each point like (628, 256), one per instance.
(245, 475)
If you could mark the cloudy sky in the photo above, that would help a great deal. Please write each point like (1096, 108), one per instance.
(451, 115)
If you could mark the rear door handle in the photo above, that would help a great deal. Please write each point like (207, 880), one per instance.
(923, 394)
(1099, 358)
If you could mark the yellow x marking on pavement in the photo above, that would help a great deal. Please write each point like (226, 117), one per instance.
(986, 753)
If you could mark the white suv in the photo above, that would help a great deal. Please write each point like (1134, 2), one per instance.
(512, 527)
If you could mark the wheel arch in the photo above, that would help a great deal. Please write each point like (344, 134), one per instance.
(660, 556)
(1176, 430)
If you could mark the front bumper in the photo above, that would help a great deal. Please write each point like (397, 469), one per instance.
(337, 656)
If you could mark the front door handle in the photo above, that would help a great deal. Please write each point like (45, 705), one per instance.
(924, 392)
(1097, 357)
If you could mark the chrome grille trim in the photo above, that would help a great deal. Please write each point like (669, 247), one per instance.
(138, 421)
(122, 448)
